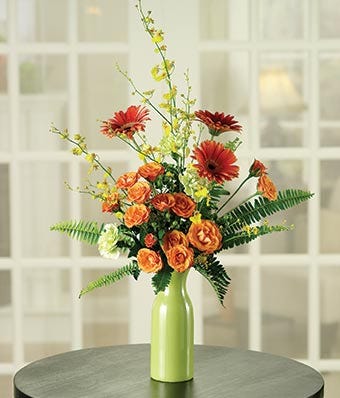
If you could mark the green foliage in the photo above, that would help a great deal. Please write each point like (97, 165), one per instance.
(161, 280)
(86, 231)
(249, 234)
(105, 280)
(249, 213)
(216, 275)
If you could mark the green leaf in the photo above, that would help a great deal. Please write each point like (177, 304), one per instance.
(161, 280)
(216, 275)
(242, 237)
(130, 269)
(87, 231)
(249, 213)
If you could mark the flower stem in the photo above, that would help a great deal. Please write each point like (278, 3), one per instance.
(240, 186)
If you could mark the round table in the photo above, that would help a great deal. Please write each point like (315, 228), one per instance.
(123, 371)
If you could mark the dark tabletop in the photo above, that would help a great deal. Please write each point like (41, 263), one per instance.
(123, 371)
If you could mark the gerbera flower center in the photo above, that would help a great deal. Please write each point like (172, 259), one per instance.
(211, 166)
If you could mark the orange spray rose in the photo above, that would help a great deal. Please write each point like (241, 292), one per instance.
(205, 236)
(150, 171)
(149, 261)
(174, 238)
(267, 188)
(136, 215)
(139, 192)
(184, 205)
(180, 257)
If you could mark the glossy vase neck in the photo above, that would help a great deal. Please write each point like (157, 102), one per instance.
(178, 283)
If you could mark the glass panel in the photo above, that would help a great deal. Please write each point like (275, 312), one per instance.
(46, 202)
(105, 312)
(281, 101)
(4, 109)
(47, 315)
(329, 88)
(100, 95)
(288, 174)
(6, 386)
(91, 209)
(3, 22)
(43, 85)
(4, 211)
(281, 19)
(224, 19)
(329, 312)
(6, 317)
(225, 87)
(42, 20)
(284, 296)
(103, 20)
(329, 14)
(330, 206)
(227, 326)
(330, 136)
(332, 384)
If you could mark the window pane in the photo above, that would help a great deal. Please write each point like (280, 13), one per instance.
(227, 326)
(103, 20)
(4, 211)
(6, 317)
(288, 174)
(42, 20)
(46, 203)
(105, 311)
(329, 88)
(4, 108)
(329, 14)
(6, 386)
(330, 206)
(3, 22)
(91, 209)
(281, 19)
(329, 312)
(330, 136)
(224, 19)
(225, 87)
(284, 295)
(282, 102)
(47, 313)
(332, 384)
(43, 100)
(102, 91)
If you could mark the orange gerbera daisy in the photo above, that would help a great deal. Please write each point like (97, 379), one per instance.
(126, 122)
(218, 123)
(215, 162)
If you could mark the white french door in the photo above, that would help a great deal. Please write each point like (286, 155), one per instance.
(275, 64)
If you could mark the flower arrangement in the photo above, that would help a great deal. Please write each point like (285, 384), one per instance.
(174, 212)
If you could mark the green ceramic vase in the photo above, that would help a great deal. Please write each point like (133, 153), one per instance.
(172, 332)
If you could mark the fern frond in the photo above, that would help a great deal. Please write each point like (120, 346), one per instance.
(161, 280)
(216, 275)
(249, 213)
(87, 231)
(247, 235)
(108, 279)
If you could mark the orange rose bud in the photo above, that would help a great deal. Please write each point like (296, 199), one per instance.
(174, 238)
(257, 169)
(111, 203)
(180, 258)
(136, 215)
(267, 188)
(127, 180)
(163, 201)
(150, 240)
(150, 171)
(139, 192)
(184, 205)
(205, 236)
(149, 261)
